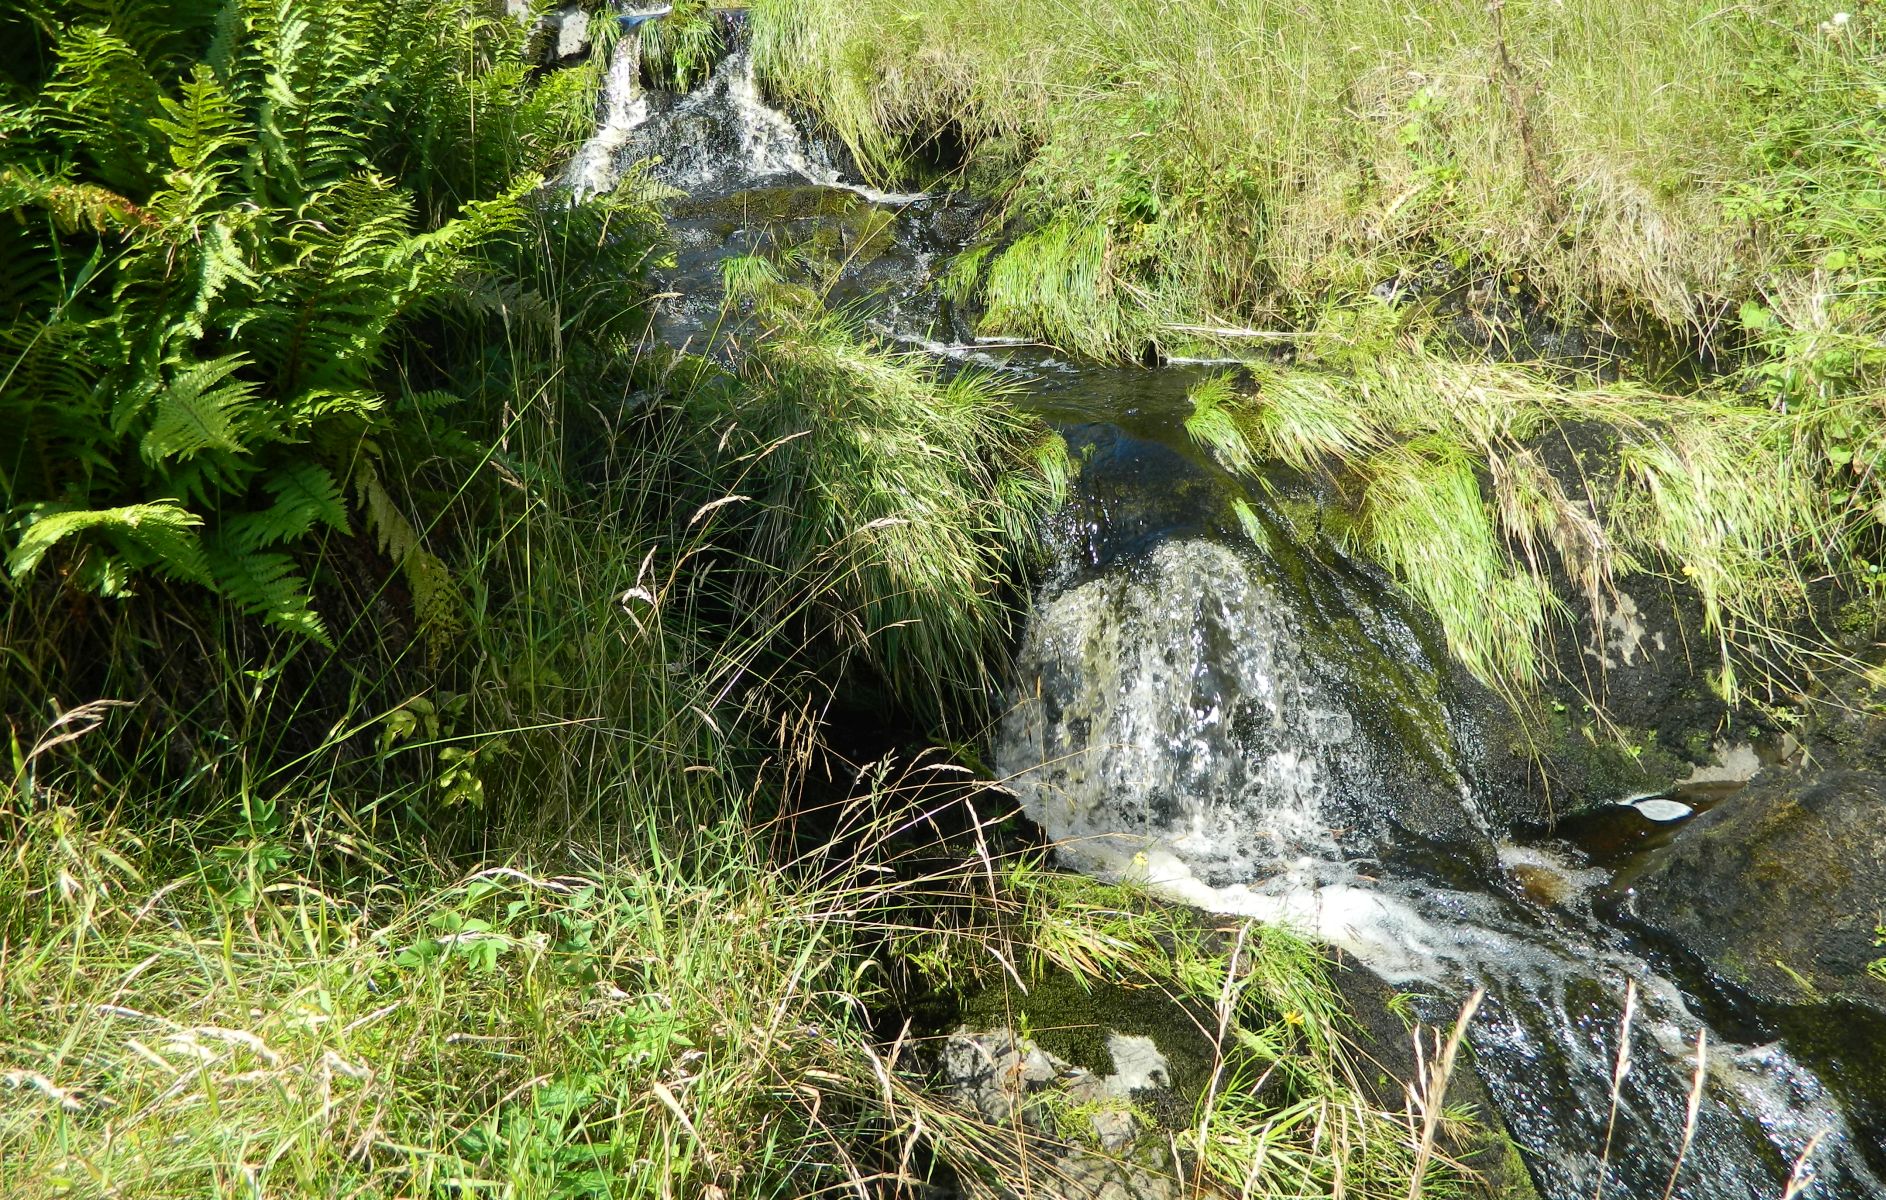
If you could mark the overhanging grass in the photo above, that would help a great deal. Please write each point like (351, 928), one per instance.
(904, 500)
(1447, 463)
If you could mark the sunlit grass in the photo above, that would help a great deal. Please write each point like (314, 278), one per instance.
(1446, 463)
(1218, 162)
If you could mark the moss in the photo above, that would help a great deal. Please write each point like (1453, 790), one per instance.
(1584, 766)
(1510, 1180)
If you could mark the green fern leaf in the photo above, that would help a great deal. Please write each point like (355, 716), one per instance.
(74, 206)
(314, 490)
(220, 264)
(200, 126)
(306, 497)
(267, 585)
(101, 101)
(198, 411)
(163, 533)
(437, 601)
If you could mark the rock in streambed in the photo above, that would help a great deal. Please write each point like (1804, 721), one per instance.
(1779, 893)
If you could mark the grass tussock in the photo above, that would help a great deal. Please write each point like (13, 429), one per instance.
(910, 495)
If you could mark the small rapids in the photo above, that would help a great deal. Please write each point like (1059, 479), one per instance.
(1231, 711)
(1215, 771)
(721, 137)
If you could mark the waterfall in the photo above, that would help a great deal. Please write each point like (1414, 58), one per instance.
(720, 137)
(1258, 730)
(597, 166)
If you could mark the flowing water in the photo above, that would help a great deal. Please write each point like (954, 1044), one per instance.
(1214, 699)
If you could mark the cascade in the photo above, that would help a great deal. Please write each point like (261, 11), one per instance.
(1242, 718)
(596, 169)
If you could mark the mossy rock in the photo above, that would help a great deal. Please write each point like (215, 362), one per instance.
(1072, 1019)
(1779, 893)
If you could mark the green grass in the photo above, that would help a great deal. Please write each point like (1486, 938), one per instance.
(304, 1010)
(1196, 164)
(1447, 465)
(1237, 176)
(906, 498)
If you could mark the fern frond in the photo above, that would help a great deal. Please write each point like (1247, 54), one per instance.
(163, 534)
(101, 102)
(73, 206)
(270, 586)
(437, 601)
(199, 411)
(221, 262)
(306, 498)
(198, 126)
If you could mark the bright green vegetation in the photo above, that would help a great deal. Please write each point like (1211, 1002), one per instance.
(412, 677)
(680, 49)
(908, 493)
(208, 272)
(1198, 163)
(1453, 492)
(1256, 178)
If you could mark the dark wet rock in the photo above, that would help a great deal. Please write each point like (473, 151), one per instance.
(1781, 887)
(1389, 1065)
(1628, 707)
(1779, 892)
(1845, 722)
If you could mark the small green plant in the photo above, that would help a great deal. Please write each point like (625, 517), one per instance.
(679, 50)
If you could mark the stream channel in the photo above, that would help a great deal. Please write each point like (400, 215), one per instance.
(1213, 698)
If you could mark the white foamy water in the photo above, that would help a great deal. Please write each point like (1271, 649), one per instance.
(721, 135)
(1168, 706)
(596, 167)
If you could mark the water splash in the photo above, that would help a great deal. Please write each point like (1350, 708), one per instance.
(596, 168)
(721, 137)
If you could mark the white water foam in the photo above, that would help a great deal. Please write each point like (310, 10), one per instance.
(596, 169)
(724, 134)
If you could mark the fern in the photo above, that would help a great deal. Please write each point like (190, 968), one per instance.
(436, 599)
(230, 212)
(267, 585)
(102, 100)
(160, 535)
(199, 411)
(313, 495)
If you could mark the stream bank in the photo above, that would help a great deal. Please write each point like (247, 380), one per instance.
(1215, 699)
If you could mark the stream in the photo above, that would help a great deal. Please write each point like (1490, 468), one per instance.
(1213, 698)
